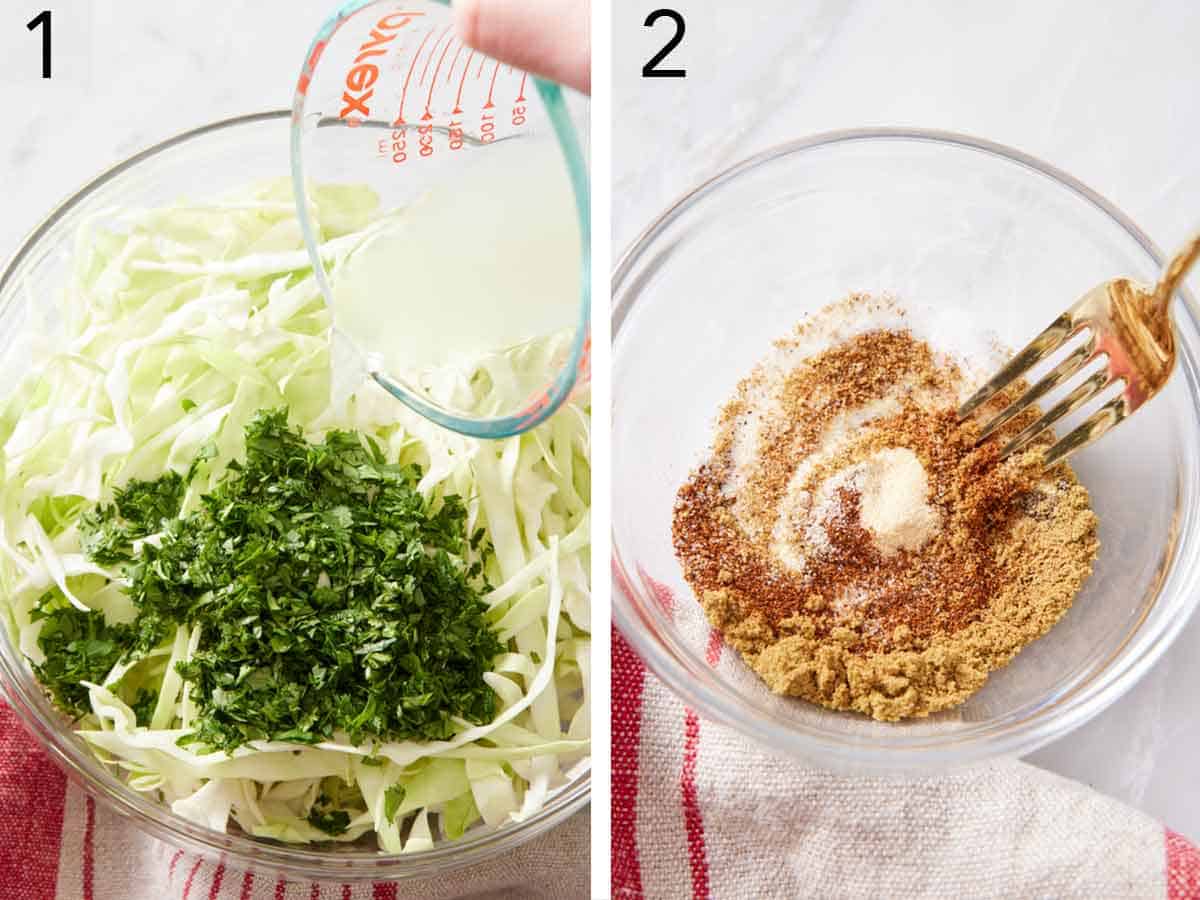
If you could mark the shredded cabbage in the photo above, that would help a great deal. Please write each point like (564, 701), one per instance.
(176, 326)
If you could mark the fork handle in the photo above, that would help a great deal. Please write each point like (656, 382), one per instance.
(1176, 269)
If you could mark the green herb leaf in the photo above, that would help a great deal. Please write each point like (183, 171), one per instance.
(332, 822)
(79, 646)
(331, 596)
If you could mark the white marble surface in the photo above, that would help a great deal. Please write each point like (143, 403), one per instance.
(140, 71)
(1106, 91)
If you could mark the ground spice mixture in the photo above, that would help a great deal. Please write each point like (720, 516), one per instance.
(849, 539)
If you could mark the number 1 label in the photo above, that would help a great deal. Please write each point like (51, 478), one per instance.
(42, 21)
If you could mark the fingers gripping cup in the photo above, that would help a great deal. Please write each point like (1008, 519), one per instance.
(466, 295)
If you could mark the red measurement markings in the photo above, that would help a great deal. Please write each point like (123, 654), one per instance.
(454, 62)
(482, 63)
(399, 146)
(492, 88)
(433, 81)
(456, 131)
(432, 52)
(458, 99)
(519, 109)
(313, 59)
(425, 140)
(408, 78)
(425, 130)
(315, 56)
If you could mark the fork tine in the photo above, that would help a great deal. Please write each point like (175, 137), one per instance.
(1096, 425)
(1081, 395)
(1037, 349)
(1056, 376)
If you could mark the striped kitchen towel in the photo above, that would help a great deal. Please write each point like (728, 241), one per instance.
(57, 843)
(699, 811)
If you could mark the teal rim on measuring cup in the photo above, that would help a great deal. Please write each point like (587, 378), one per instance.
(390, 104)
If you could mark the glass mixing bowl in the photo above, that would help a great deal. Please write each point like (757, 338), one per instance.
(212, 159)
(985, 236)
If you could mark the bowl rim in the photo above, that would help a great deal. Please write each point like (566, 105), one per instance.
(924, 752)
(19, 687)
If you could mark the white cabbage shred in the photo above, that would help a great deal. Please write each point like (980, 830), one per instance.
(176, 326)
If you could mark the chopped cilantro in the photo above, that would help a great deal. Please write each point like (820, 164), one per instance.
(78, 645)
(143, 705)
(332, 822)
(138, 510)
(330, 595)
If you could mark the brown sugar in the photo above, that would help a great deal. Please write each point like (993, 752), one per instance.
(824, 602)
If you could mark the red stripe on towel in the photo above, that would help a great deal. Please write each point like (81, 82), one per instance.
(628, 682)
(712, 653)
(693, 822)
(218, 877)
(89, 851)
(662, 593)
(187, 885)
(32, 795)
(1183, 868)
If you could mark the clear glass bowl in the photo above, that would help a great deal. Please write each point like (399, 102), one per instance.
(972, 230)
(212, 159)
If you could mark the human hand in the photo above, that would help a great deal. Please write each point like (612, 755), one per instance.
(551, 38)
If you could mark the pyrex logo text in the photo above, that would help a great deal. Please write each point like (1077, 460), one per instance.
(361, 78)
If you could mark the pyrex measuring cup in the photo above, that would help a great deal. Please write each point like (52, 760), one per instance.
(468, 299)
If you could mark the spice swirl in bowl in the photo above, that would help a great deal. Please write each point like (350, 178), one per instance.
(852, 542)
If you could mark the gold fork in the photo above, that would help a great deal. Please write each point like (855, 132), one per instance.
(1127, 323)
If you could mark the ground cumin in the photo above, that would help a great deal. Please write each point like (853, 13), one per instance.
(819, 607)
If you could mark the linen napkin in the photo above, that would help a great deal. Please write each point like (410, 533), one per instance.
(700, 811)
(57, 843)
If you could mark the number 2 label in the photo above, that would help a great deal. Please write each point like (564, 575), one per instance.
(650, 69)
